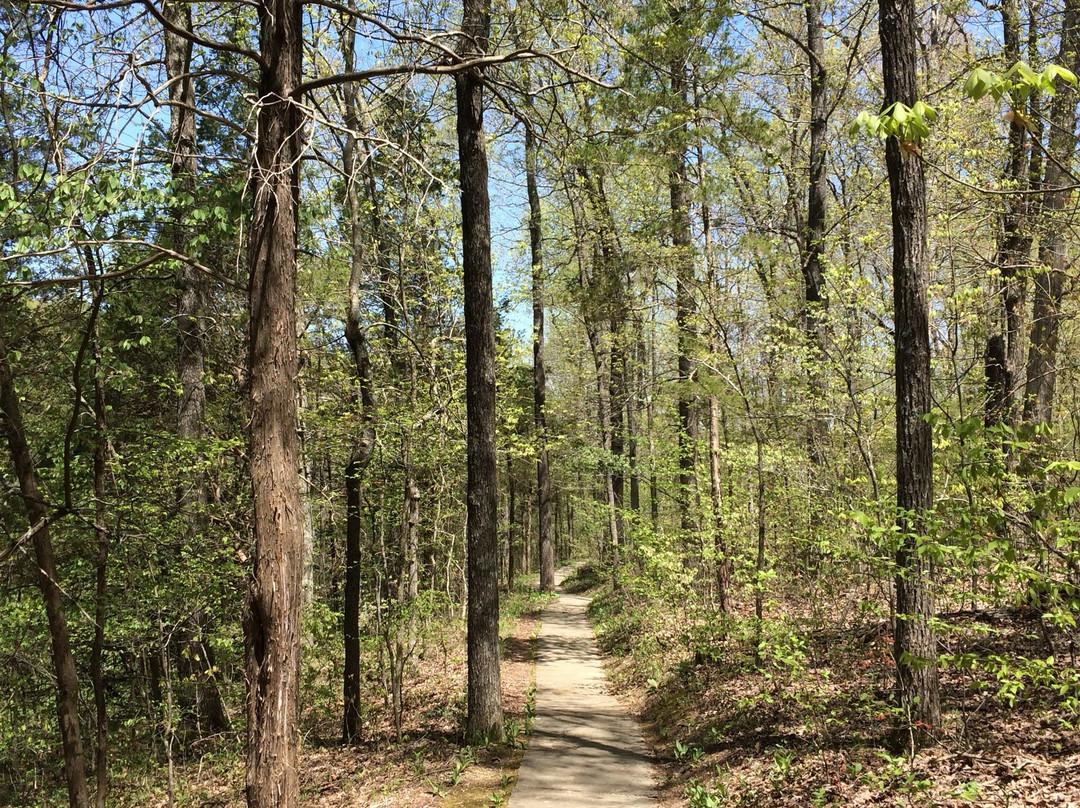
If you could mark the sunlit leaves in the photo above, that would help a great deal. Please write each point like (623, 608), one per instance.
(1018, 84)
(910, 125)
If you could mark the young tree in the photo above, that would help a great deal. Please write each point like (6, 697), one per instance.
(67, 680)
(543, 476)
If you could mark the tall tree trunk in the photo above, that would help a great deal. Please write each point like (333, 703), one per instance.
(67, 681)
(191, 293)
(543, 477)
(272, 613)
(633, 417)
(484, 688)
(190, 285)
(1053, 256)
(682, 241)
(511, 517)
(722, 561)
(364, 444)
(813, 236)
(914, 647)
(101, 535)
(1013, 253)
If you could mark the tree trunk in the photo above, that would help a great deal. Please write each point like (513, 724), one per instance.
(543, 477)
(272, 614)
(364, 445)
(485, 718)
(813, 236)
(1053, 256)
(722, 562)
(1013, 252)
(101, 534)
(67, 682)
(682, 241)
(191, 293)
(914, 646)
(511, 516)
(190, 285)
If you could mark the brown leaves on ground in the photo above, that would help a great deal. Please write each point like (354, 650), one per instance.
(817, 728)
(429, 767)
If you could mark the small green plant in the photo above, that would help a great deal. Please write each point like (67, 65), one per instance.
(530, 708)
(435, 789)
(969, 791)
(459, 764)
(701, 797)
(782, 760)
(512, 733)
(680, 749)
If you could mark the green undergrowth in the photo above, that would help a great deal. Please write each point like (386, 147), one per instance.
(587, 577)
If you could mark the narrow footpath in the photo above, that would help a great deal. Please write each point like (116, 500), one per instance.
(584, 750)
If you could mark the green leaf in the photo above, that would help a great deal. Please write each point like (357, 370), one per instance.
(979, 83)
(924, 111)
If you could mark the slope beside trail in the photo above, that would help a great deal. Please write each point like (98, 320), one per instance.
(584, 750)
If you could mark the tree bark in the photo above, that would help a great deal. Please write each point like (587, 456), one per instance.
(272, 613)
(191, 293)
(1013, 251)
(485, 719)
(813, 237)
(914, 646)
(364, 445)
(101, 563)
(536, 251)
(67, 681)
(682, 241)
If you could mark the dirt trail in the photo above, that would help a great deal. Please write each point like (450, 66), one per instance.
(584, 750)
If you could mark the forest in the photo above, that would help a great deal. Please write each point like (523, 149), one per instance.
(329, 330)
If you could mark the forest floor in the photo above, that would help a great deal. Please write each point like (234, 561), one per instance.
(812, 725)
(428, 767)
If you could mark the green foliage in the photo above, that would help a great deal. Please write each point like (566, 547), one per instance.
(907, 124)
(1019, 83)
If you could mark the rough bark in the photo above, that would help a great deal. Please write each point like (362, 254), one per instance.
(272, 614)
(67, 681)
(536, 252)
(682, 241)
(190, 285)
(1013, 249)
(813, 236)
(484, 680)
(1053, 255)
(190, 339)
(363, 447)
(512, 561)
(101, 563)
(914, 646)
